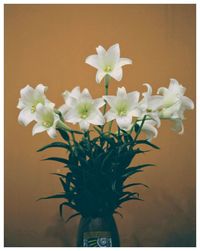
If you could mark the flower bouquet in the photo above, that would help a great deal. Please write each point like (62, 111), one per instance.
(113, 130)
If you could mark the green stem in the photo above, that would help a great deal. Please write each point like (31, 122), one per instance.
(138, 133)
(62, 125)
(110, 126)
(106, 84)
(73, 137)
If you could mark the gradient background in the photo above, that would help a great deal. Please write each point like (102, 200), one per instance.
(48, 44)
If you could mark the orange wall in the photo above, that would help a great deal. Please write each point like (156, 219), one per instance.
(48, 44)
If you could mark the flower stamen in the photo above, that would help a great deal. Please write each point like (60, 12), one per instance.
(33, 108)
(108, 68)
(46, 124)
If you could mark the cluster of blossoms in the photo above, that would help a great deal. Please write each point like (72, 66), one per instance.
(127, 109)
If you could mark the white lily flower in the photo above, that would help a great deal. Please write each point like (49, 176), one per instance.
(85, 111)
(68, 98)
(108, 62)
(28, 101)
(175, 104)
(149, 128)
(150, 104)
(47, 120)
(123, 107)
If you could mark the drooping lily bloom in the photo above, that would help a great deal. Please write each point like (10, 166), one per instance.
(124, 107)
(28, 102)
(108, 62)
(68, 98)
(149, 128)
(85, 110)
(47, 120)
(150, 104)
(175, 104)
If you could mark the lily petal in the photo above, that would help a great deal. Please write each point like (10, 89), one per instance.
(110, 115)
(155, 117)
(124, 122)
(110, 99)
(66, 95)
(52, 132)
(125, 61)
(25, 117)
(72, 116)
(150, 131)
(121, 92)
(86, 94)
(26, 92)
(38, 128)
(100, 50)
(116, 73)
(155, 102)
(175, 87)
(149, 90)
(63, 109)
(99, 102)
(178, 126)
(113, 54)
(162, 91)
(99, 76)
(84, 125)
(187, 103)
(97, 119)
(93, 60)
(136, 112)
(41, 88)
(133, 97)
(20, 104)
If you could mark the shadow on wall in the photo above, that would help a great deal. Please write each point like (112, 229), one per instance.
(170, 225)
(64, 232)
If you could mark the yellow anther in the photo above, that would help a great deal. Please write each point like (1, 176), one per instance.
(108, 68)
(33, 108)
(46, 124)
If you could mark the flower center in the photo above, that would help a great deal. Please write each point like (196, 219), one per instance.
(84, 110)
(108, 68)
(122, 109)
(46, 123)
(33, 108)
(148, 110)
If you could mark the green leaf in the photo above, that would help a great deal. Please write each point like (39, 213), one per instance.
(77, 132)
(64, 185)
(140, 128)
(116, 212)
(127, 199)
(56, 196)
(54, 144)
(63, 134)
(62, 160)
(128, 194)
(107, 160)
(139, 167)
(68, 204)
(132, 170)
(134, 184)
(98, 130)
(71, 217)
(136, 127)
(59, 174)
(146, 142)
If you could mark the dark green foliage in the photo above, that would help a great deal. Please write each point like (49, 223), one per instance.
(97, 170)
